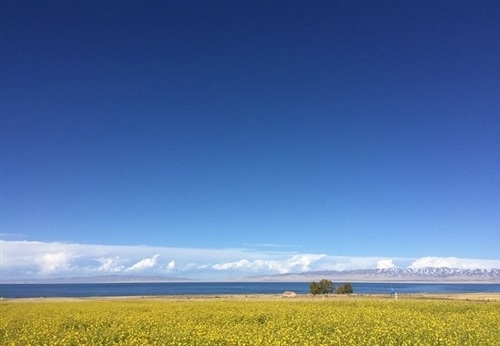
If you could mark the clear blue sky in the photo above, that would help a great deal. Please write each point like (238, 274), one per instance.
(339, 128)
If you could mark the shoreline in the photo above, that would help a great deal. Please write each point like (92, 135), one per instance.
(266, 297)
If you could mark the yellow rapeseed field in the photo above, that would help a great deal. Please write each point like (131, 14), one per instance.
(271, 322)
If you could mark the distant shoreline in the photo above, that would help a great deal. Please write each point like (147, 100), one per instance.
(266, 297)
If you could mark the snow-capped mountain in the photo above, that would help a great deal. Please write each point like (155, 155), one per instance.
(428, 274)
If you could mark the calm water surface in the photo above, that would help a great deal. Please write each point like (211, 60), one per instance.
(214, 288)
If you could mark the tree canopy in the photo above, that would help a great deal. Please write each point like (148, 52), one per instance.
(326, 286)
(344, 289)
(323, 287)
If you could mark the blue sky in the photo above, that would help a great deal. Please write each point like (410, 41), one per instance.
(290, 135)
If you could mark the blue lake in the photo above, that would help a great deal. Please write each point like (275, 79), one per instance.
(214, 288)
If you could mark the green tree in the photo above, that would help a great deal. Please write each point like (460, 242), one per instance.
(314, 288)
(323, 287)
(346, 288)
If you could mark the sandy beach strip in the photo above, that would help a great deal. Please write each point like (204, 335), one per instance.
(269, 297)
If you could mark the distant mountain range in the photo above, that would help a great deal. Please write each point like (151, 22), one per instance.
(428, 274)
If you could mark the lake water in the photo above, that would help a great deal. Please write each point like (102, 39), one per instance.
(215, 288)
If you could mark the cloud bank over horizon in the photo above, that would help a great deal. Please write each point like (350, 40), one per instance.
(36, 259)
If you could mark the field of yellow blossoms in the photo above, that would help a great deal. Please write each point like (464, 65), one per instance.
(242, 322)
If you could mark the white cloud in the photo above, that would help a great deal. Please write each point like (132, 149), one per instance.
(295, 263)
(233, 265)
(54, 262)
(110, 264)
(385, 264)
(354, 262)
(171, 266)
(145, 263)
(454, 262)
(31, 259)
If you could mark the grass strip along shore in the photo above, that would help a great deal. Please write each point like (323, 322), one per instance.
(253, 320)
